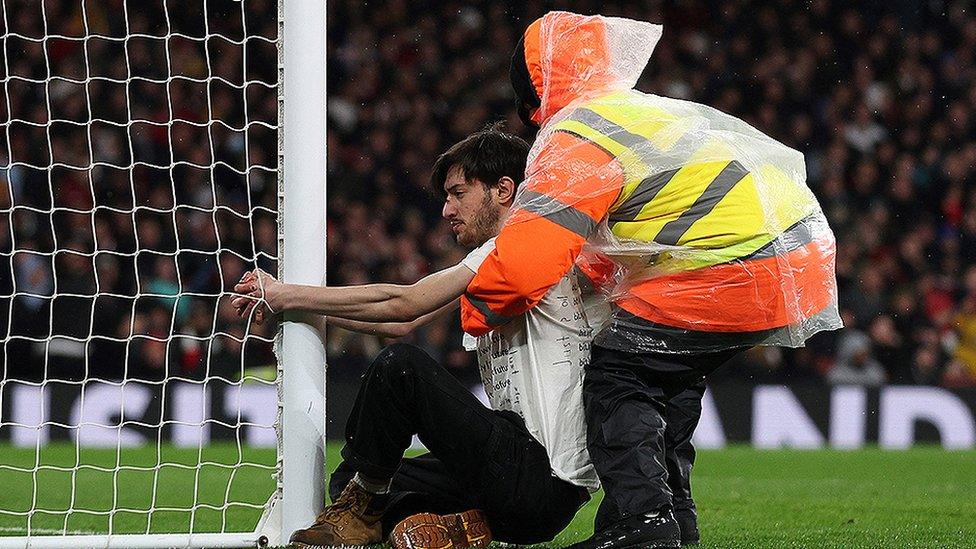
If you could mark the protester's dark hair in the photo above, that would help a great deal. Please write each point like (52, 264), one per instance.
(487, 156)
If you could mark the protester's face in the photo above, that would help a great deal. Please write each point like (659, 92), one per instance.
(471, 209)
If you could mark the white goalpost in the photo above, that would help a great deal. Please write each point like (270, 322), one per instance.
(150, 152)
(302, 207)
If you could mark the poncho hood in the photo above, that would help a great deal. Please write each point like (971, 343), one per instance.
(569, 57)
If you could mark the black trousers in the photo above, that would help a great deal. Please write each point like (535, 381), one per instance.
(479, 458)
(641, 412)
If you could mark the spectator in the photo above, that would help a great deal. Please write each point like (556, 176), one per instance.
(856, 364)
(965, 325)
(889, 347)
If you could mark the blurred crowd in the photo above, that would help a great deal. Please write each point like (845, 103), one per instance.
(878, 96)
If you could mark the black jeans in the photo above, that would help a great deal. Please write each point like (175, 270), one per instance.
(479, 458)
(641, 412)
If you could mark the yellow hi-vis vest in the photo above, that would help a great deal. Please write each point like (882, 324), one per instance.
(691, 190)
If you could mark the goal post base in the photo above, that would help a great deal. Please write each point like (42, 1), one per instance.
(269, 526)
(135, 541)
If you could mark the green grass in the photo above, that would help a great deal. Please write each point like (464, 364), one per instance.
(924, 497)
(210, 477)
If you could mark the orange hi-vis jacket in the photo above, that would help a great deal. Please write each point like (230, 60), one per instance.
(699, 228)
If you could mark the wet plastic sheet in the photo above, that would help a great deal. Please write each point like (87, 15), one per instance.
(713, 239)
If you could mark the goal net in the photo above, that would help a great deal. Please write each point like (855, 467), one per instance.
(139, 169)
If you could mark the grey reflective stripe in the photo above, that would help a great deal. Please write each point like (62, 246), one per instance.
(689, 141)
(587, 139)
(558, 212)
(796, 237)
(672, 231)
(607, 128)
(491, 318)
(631, 333)
(639, 145)
(642, 195)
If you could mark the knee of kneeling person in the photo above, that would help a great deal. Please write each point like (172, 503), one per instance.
(400, 361)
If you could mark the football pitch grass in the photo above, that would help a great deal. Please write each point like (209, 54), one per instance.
(924, 497)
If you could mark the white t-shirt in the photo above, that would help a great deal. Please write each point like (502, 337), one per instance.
(533, 366)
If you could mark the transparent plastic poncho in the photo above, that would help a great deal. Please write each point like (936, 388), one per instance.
(733, 258)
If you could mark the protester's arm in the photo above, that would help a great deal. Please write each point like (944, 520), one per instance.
(391, 329)
(572, 187)
(368, 303)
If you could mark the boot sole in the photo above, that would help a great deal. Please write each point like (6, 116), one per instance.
(430, 531)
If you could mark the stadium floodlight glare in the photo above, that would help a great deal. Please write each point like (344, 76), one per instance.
(172, 460)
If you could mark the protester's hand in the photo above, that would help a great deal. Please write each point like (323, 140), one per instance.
(244, 303)
(260, 292)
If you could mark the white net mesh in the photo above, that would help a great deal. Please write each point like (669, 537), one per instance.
(138, 169)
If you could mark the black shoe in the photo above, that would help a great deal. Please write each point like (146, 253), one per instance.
(651, 531)
(688, 524)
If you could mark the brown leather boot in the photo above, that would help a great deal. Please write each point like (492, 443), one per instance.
(430, 531)
(353, 519)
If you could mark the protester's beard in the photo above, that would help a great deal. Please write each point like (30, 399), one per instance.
(483, 226)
